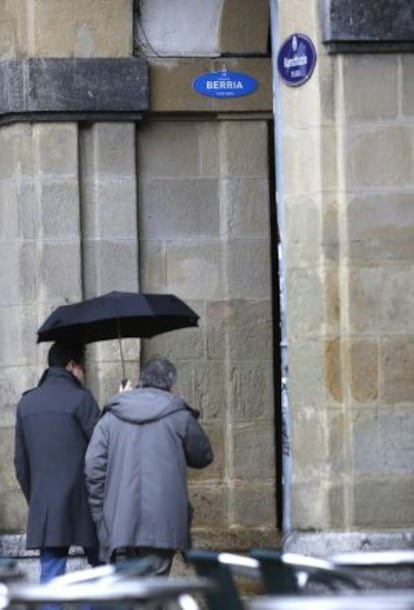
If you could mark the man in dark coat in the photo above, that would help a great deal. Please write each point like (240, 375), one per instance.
(136, 469)
(54, 423)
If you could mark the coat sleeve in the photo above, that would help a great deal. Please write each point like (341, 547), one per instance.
(87, 414)
(197, 447)
(21, 461)
(96, 464)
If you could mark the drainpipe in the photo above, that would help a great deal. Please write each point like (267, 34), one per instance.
(285, 410)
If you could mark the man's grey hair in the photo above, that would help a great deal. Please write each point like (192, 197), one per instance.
(158, 373)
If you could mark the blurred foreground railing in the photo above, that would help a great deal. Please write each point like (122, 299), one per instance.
(384, 600)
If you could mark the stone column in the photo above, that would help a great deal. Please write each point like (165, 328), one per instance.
(204, 235)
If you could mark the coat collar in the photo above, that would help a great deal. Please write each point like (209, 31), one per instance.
(58, 372)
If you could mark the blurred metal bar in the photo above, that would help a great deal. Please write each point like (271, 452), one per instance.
(385, 600)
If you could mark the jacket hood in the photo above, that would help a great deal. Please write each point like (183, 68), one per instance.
(143, 405)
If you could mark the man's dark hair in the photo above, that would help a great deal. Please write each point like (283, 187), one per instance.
(158, 373)
(62, 353)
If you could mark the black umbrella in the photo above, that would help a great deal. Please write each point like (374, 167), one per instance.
(117, 315)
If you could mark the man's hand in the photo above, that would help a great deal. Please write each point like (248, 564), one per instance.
(126, 386)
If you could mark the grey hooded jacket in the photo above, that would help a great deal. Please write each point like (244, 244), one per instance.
(136, 470)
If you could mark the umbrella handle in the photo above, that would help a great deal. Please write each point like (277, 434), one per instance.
(118, 326)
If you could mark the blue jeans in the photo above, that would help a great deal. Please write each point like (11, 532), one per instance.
(53, 561)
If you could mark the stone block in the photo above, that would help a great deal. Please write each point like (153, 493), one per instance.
(248, 269)
(307, 378)
(11, 26)
(310, 438)
(246, 203)
(59, 270)
(407, 85)
(18, 325)
(302, 105)
(349, 25)
(334, 368)
(74, 28)
(13, 511)
(217, 315)
(244, 149)
(253, 451)
(310, 505)
(249, 329)
(172, 85)
(14, 380)
(17, 273)
(110, 265)
(303, 228)
(176, 209)
(108, 151)
(381, 228)
(56, 150)
(8, 480)
(187, 344)
(295, 15)
(305, 297)
(252, 391)
(254, 505)
(216, 470)
(16, 152)
(109, 209)
(211, 505)
(371, 91)
(364, 361)
(172, 149)
(397, 365)
(58, 209)
(310, 160)
(19, 213)
(373, 307)
(152, 273)
(195, 270)
(337, 500)
(337, 432)
(210, 390)
(383, 503)
(332, 301)
(380, 156)
(236, 34)
(62, 89)
(382, 441)
(325, 544)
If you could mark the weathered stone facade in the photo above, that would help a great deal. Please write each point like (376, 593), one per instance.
(181, 199)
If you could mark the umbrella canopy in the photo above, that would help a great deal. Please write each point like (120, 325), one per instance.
(117, 315)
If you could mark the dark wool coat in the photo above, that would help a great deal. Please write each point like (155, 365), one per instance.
(136, 470)
(53, 426)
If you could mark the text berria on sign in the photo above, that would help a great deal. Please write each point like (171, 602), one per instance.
(224, 84)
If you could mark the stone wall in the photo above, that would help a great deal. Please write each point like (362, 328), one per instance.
(169, 203)
(180, 200)
(348, 193)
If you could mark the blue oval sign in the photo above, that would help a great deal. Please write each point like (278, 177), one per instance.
(224, 84)
(296, 59)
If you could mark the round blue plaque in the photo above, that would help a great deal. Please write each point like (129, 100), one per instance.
(296, 59)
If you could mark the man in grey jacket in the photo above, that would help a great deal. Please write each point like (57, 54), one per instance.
(136, 469)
